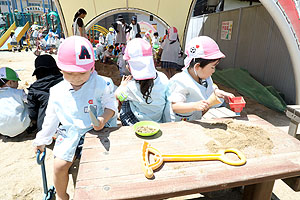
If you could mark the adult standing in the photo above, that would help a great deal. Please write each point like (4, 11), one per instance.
(134, 28)
(170, 52)
(121, 28)
(78, 25)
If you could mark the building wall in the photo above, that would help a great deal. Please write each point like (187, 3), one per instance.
(4, 7)
(256, 45)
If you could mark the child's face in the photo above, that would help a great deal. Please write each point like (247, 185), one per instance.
(110, 50)
(207, 70)
(12, 84)
(76, 79)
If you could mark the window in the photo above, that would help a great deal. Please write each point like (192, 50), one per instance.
(3, 2)
(33, 4)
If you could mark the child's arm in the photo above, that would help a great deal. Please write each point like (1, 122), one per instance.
(109, 104)
(32, 105)
(119, 91)
(222, 94)
(108, 113)
(50, 124)
(181, 107)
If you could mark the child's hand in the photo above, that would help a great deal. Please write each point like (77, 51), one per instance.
(224, 95)
(201, 105)
(101, 124)
(41, 148)
(125, 80)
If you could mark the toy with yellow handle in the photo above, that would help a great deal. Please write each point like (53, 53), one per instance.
(159, 158)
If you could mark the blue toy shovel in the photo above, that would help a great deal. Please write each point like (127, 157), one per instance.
(48, 194)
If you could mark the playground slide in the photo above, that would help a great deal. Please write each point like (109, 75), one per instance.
(5, 36)
(19, 31)
(20, 34)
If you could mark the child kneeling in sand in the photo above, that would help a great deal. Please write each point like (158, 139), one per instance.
(14, 118)
(68, 104)
(47, 75)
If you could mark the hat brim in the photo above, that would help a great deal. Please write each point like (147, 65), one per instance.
(142, 68)
(214, 56)
(39, 68)
(75, 68)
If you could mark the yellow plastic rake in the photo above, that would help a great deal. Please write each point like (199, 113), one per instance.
(159, 158)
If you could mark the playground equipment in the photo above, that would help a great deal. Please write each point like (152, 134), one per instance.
(54, 22)
(100, 29)
(20, 35)
(5, 39)
(146, 27)
(6, 35)
(93, 30)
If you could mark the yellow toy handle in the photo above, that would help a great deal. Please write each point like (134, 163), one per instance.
(218, 156)
(225, 159)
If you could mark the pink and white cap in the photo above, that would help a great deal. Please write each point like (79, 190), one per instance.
(76, 54)
(138, 53)
(202, 47)
(173, 33)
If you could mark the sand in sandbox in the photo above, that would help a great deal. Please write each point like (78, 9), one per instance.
(230, 134)
(109, 70)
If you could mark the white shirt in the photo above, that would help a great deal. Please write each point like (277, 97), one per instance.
(101, 40)
(170, 51)
(143, 111)
(155, 41)
(13, 38)
(43, 42)
(110, 38)
(50, 41)
(14, 118)
(70, 108)
(133, 31)
(34, 26)
(56, 42)
(2, 21)
(35, 33)
(183, 88)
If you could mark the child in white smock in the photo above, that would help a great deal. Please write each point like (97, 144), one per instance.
(14, 118)
(189, 90)
(144, 93)
(68, 104)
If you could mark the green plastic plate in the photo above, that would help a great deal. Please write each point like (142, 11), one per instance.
(146, 123)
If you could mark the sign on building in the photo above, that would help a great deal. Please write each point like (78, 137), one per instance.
(226, 30)
(34, 9)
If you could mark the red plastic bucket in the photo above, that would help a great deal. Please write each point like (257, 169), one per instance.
(237, 104)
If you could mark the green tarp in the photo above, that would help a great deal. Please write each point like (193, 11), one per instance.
(242, 81)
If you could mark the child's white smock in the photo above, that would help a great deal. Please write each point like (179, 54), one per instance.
(183, 88)
(110, 38)
(14, 118)
(143, 111)
(70, 108)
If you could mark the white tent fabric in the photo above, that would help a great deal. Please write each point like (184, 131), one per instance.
(171, 12)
